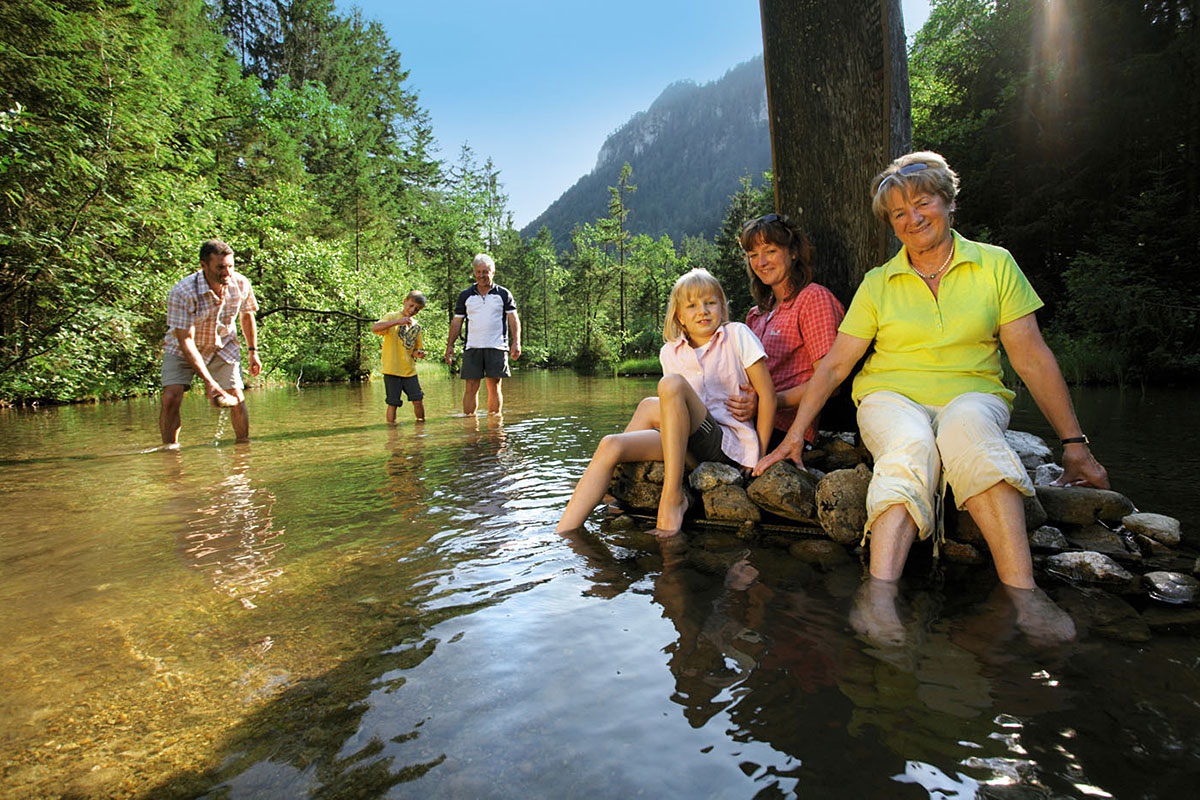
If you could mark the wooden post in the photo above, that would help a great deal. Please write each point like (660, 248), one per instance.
(837, 92)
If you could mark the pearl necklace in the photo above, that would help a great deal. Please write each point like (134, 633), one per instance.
(934, 274)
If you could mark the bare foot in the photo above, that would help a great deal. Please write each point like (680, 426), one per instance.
(874, 614)
(670, 517)
(1041, 620)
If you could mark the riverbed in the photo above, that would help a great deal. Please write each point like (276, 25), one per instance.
(347, 609)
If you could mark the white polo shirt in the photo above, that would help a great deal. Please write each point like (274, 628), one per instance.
(485, 317)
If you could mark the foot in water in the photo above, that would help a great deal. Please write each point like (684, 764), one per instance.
(874, 615)
(670, 517)
(1039, 618)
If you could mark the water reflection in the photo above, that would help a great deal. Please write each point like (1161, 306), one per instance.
(229, 532)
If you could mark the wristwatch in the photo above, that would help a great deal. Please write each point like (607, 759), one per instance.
(1076, 440)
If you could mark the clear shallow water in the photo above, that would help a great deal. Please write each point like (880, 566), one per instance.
(344, 609)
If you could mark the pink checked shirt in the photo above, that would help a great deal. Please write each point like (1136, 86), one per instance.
(193, 302)
(798, 334)
(715, 373)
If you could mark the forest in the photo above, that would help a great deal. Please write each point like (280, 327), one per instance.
(132, 130)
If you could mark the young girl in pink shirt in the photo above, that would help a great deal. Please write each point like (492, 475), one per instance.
(704, 360)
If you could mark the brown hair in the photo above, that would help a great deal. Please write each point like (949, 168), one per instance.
(778, 230)
(214, 247)
(416, 295)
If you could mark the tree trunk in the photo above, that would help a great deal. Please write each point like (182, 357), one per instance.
(837, 92)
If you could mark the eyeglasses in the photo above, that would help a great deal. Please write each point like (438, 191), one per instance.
(765, 219)
(907, 169)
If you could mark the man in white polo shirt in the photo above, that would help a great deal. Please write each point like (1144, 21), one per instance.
(487, 317)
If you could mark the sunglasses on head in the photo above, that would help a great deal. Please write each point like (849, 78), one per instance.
(907, 169)
(765, 219)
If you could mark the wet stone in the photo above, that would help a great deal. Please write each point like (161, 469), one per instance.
(1158, 527)
(785, 491)
(1083, 505)
(1088, 567)
(1172, 587)
(841, 501)
(821, 552)
(730, 503)
(1100, 539)
(1166, 619)
(710, 475)
(1106, 615)
(1048, 538)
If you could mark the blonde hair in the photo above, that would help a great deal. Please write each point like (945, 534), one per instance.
(691, 283)
(416, 295)
(926, 172)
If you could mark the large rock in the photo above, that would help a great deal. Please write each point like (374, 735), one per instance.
(785, 491)
(1032, 450)
(1088, 567)
(631, 485)
(730, 503)
(1158, 527)
(842, 504)
(1082, 505)
(710, 474)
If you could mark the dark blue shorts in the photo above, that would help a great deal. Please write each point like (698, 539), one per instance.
(705, 443)
(410, 385)
(484, 362)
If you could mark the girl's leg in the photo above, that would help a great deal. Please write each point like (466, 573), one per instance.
(646, 417)
(681, 412)
(613, 449)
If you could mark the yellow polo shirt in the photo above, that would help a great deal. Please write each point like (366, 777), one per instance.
(932, 349)
(399, 343)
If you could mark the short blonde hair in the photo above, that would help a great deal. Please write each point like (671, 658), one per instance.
(925, 172)
(417, 296)
(691, 283)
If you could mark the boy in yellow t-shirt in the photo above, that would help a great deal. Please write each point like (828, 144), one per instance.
(402, 342)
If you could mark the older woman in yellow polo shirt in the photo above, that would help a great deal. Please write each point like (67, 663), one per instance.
(931, 404)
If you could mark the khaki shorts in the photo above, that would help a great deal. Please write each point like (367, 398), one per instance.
(918, 449)
(176, 371)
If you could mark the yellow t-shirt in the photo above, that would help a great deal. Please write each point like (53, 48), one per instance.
(932, 349)
(399, 343)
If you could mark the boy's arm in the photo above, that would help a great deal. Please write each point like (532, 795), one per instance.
(419, 350)
(382, 326)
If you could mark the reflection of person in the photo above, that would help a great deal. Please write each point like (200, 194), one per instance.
(202, 340)
(403, 341)
(795, 319)
(704, 360)
(487, 315)
(931, 405)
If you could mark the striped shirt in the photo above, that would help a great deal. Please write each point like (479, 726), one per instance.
(193, 302)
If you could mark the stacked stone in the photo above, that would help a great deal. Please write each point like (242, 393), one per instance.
(1091, 537)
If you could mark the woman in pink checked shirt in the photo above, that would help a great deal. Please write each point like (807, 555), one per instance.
(795, 319)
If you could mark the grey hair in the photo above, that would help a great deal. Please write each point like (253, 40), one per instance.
(483, 258)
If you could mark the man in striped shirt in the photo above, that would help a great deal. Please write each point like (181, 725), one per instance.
(202, 340)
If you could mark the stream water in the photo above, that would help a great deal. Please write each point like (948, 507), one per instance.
(346, 609)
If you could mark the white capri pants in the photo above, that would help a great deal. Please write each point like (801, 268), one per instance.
(914, 444)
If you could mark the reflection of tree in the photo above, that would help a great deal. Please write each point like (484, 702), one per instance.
(230, 531)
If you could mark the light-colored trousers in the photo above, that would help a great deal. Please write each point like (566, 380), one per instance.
(919, 448)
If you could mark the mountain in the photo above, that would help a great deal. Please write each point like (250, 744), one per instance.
(688, 152)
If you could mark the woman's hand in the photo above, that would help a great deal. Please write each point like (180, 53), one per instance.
(1080, 468)
(791, 447)
(743, 406)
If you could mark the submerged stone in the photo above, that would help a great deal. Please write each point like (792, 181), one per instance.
(841, 500)
(1172, 587)
(961, 553)
(1106, 615)
(1082, 505)
(1088, 567)
(785, 491)
(1158, 527)
(821, 552)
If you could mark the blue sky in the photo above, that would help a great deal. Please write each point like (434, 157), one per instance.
(538, 85)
